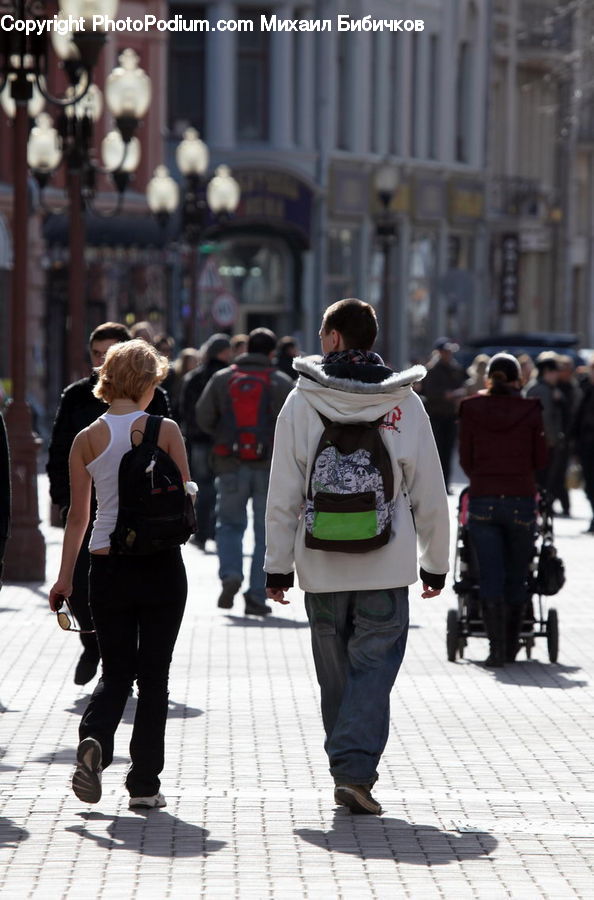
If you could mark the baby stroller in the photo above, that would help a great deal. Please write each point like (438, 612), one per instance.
(467, 620)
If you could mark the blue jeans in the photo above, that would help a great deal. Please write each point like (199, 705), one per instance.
(358, 640)
(502, 531)
(234, 489)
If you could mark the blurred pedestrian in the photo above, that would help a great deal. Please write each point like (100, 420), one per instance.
(239, 344)
(4, 493)
(238, 408)
(137, 602)
(356, 602)
(143, 331)
(583, 434)
(545, 388)
(570, 396)
(502, 446)
(165, 345)
(79, 406)
(286, 351)
(527, 368)
(477, 374)
(216, 354)
(443, 388)
(188, 359)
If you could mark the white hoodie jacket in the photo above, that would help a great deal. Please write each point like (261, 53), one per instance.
(418, 484)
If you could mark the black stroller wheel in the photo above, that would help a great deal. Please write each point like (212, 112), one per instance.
(553, 635)
(452, 634)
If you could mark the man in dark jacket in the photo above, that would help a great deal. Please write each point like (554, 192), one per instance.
(4, 493)
(77, 410)
(583, 434)
(443, 388)
(217, 353)
(243, 471)
(544, 388)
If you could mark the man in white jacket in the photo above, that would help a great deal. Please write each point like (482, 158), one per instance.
(357, 603)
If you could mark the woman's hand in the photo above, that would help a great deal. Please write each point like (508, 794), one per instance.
(61, 589)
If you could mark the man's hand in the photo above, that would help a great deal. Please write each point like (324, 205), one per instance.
(278, 595)
(430, 592)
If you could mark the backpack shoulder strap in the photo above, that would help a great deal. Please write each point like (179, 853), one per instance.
(152, 429)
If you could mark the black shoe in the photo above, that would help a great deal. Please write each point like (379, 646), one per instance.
(86, 667)
(230, 588)
(255, 607)
(86, 781)
(357, 798)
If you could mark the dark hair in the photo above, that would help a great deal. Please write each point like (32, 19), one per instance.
(286, 343)
(503, 371)
(261, 340)
(354, 320)
(110, 331)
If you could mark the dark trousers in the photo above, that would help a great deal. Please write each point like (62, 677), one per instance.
(501, 530)
(137, 604)
(586, 456)
(444, 432)
(207, 495)
(358, 640)
(79, 598)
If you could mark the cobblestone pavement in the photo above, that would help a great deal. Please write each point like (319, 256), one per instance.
(487, 782)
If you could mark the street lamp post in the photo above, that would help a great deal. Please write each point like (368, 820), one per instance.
(23, 70)
(386, 182)
(220, 195)
(127, 95)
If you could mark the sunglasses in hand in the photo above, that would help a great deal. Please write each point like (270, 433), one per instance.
(64, 619)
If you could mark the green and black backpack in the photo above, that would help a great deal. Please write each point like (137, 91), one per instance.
(350, 495)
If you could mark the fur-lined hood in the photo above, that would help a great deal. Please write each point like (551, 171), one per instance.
(351, 399)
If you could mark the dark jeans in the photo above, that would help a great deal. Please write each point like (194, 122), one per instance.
(501, 530)
(358, 640)
(137, 604)
(79, 598)
(207, 495)
(586, 457)
(444, 432)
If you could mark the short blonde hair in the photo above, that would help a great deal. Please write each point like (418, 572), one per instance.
(129, 370)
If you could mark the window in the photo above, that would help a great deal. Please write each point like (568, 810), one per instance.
(433, 104)
(343, 105)
(253, 79)
(343, 263)
(414, 131)
(186, 74)
(394, 97)
(463, 84)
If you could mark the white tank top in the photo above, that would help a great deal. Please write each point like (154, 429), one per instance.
(104, 471)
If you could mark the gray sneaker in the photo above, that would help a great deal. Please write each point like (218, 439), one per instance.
(86, 781)
(357, 798)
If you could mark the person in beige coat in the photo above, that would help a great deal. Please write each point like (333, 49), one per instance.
(357, 603)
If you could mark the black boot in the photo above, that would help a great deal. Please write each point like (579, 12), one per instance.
(514, 619)
(495, 627)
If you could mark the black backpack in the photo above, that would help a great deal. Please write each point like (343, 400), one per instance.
(154, 511)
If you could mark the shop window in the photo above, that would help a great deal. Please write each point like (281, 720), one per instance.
(343, 263)
(186, 73)
(253, 79)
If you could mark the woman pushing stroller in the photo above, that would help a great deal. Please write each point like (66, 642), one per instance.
(502, 446)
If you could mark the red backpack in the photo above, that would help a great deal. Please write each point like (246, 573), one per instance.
(247, 423)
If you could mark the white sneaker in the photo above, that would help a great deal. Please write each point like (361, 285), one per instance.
(157, 801)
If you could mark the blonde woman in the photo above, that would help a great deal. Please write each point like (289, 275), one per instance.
(137, 603)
